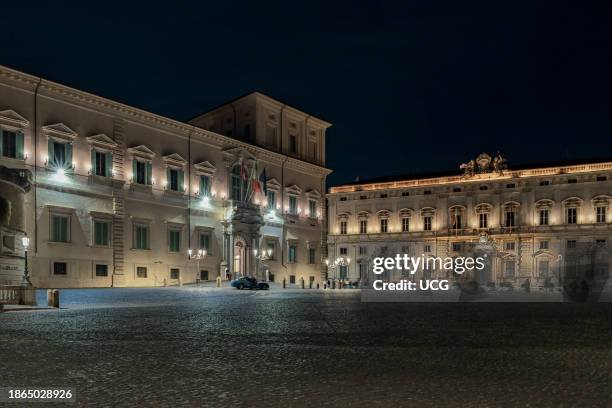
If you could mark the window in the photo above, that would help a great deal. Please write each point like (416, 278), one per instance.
(571, 215)
(342, 227)
(175, 179)
(363, 269)
(204, 241)
(427, 248)
(312, 150)
(384, 224)
(510, 246)
(204, 185)
(101, 270)
(405, 193)
(142, 172)
(363, 250)
(101, 233)
(60, 268)
(600, 242)
(483, 220)
(544, 183)
(510, 219)
(141, 236)
(343, 251)
(572, 181)
(175, 273)
(456, 189)
(11, 144)
(427, 192)
(292, 279)
(312, 256)
(238, 182)
(271, 200)
(60, 228)
(247, 132)
(292, 205)
(510, 185)
(600, 214)
(571, 244)
(101, 163)
(312, 208)
(363, 226)
(509, 269)
(292, 254)
(483, 188)
(456, 219)
(543, 267)
(601, 178)
(543, 244)
(174, 240)
(427, 223)
(141, 272)
(544, 217)
(342, 198)
(272, 248)
(363, 197)
(271, 136)
(456, 246)
(383, 196)
(292, 144)
(60, 154)
(405, 224)
(343, 271)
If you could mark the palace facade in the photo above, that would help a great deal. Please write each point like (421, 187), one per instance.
(537, 224)
(124, 197)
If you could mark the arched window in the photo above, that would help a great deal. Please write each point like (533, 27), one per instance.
(238, 184)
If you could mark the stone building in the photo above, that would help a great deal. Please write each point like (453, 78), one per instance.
(120, 195)
(536, 223)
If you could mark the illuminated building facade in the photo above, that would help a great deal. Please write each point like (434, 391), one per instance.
(120, 195)
(535, 223)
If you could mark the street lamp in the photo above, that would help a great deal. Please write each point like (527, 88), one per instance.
(341, 261)
(200, 254)
(263, 255)
(25, 280)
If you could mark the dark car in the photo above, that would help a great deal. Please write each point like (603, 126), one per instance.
(249, 283)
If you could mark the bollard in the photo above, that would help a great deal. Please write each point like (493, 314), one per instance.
(218, 281)
(284, 283)
(53, 299)
(324, 286)
(317, 286)
(302, 282)
(310, 285)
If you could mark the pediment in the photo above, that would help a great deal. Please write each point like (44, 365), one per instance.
(142, 151)
(293, 189)
(10, 117)
(174, 158)
(313, 194)
(59, 130)
(205, 167)
(273, 184)
(101, 139)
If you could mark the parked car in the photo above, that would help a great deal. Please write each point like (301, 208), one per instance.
(249, 283)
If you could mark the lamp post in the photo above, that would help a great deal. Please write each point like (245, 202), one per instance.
(200, 254)
(262, 255)
(341, 261)
(25, 280)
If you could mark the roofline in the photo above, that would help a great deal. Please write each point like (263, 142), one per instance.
(268, 99)
(484, 177)
(136, 114)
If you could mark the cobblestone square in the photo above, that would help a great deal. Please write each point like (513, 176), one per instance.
(221, 347)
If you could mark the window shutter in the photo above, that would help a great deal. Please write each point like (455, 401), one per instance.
(50, 155)
(134, 170)
(93, 161)
(68, 163)
(181, 179)
(149, 168)
(109, 164)
(19, 145)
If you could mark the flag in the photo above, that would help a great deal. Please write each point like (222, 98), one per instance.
(263, 180)
(255, 186)
(243, 171)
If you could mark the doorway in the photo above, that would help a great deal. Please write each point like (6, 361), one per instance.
(204, 275)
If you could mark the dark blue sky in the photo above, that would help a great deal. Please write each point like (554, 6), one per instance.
(412, 86)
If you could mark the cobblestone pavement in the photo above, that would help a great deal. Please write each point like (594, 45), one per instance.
(221, 347)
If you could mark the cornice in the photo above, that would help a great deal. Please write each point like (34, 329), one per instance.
(128, 112)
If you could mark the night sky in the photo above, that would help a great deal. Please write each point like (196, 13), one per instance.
(414, 86)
